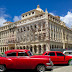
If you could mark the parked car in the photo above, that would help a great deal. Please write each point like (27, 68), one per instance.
(58, 57)
(24, 59)
(68, 52)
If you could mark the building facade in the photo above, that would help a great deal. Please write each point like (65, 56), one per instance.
(37, 31)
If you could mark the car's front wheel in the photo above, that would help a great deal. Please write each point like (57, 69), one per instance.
(40, 68)
(70, 62)
(2, 68)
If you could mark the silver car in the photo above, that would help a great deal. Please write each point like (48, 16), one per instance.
(68, 52)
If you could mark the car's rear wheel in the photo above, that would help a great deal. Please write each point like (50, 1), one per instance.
(40, 68)
(70, 62)
(2, 68)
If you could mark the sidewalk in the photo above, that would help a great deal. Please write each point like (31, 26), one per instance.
(63, 69)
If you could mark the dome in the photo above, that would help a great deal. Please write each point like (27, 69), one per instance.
(39, 9)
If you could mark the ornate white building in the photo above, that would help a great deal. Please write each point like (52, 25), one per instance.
(37, 31)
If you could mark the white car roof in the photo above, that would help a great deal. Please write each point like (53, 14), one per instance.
(68, 51)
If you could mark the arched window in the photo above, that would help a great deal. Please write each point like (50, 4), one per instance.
(31, 27)
(52, 46)
(55, 46)
(27, 47)
(23, 47)
(5, 48)
(24, 29)
(39, 48)
(17, 47)
(35, 48)
(21, 29)
(44, 46)
(31, 48)
(28, 28)
(1, 49)
(35, 26)
(20, 47)
(18, 30)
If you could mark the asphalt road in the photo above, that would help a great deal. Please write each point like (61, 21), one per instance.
(54, 67)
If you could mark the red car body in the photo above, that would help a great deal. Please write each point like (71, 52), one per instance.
(22, 59)
(58, 57)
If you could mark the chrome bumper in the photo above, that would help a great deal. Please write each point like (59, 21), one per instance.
(51, 65)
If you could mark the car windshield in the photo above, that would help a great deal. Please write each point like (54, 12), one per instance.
(68, 53)
(30, 53)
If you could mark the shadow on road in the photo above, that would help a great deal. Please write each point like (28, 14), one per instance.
(20, 70)
(54, 67)
(61, 65)
(23, 70)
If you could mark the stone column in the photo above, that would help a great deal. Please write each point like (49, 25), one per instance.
(0, 50)
(8, 48)
(42, 50)
(65, 36)
(47, 30)
(53, 32)
(67, 45)
(4, 49)
(62, 34)
(15, 46)
(47, 47)
(33, 49)
(29, 47)
(50, 31)
(63, 45)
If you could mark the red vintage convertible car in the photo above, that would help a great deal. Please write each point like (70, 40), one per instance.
(58, 57)
(24, 59)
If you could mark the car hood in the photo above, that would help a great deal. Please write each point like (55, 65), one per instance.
(70, 57)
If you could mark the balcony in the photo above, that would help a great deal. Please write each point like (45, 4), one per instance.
(11, 42)
(10, 27)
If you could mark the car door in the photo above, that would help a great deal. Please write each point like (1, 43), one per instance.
(12, 59)
(52, 56)
(23, 61)
(60, 57)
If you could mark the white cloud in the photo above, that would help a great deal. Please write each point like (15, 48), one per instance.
(3, 16)
(2, 20)
(16, 18)
(52, 13)
(67, 19)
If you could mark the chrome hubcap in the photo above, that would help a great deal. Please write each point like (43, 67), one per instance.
(71, 62)
(41, 68)
(1, 68)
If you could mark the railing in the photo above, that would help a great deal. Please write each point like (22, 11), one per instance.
(33, 20)
(14, 26)
(11, 41)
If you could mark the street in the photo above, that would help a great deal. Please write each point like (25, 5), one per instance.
(54, 68)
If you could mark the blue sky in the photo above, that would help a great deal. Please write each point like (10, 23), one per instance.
(10, 10)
